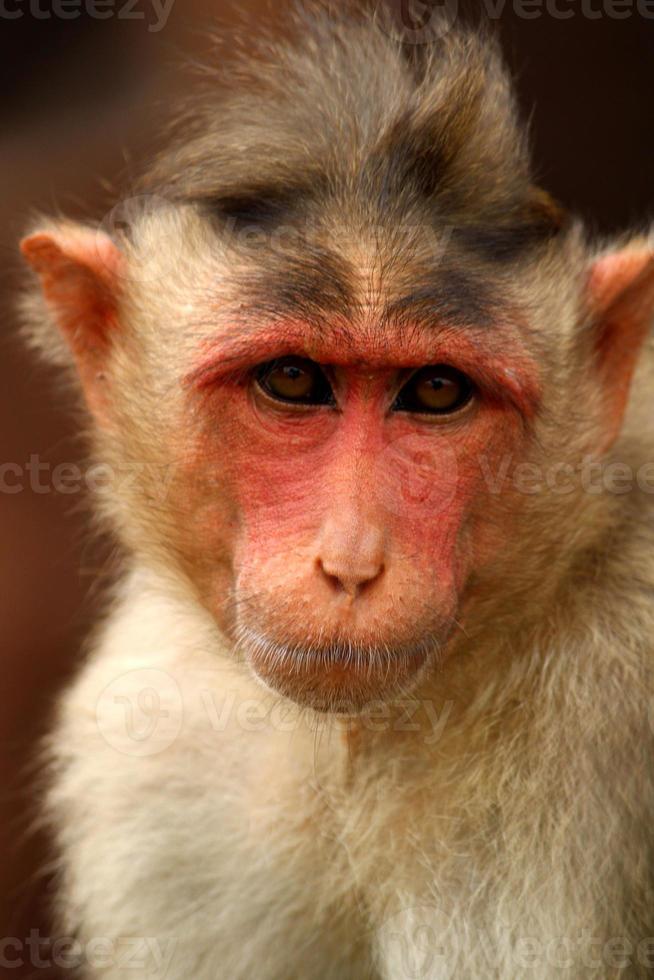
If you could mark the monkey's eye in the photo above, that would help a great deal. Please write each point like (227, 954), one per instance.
(296, 380)
(439, 390)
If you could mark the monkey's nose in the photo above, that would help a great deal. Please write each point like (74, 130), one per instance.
(350, 579)
(351, 558)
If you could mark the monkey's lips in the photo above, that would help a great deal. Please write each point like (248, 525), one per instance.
(340, 676)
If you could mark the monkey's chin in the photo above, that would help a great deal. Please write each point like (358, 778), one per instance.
(338, 677)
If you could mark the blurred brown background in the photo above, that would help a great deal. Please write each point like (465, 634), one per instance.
(81, 100)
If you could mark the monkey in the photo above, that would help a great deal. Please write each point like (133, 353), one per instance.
(372, 695)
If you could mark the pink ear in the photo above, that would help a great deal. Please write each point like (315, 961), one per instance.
(621, 296)
(79, 269)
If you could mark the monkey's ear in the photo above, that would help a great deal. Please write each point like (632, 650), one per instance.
(80, 273)
(621, 297)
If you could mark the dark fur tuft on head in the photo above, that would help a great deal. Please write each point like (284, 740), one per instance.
(346, 115)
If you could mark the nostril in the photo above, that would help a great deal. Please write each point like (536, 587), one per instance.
(353, 581)
(333, 580)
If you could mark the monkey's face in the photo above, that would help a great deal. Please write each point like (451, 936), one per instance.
(338, 494)
(340, 498)
(338, 398)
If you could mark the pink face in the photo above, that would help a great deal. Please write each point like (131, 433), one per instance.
(346, 480)
(333, 511)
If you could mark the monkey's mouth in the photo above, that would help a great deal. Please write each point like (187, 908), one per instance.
(339, 676)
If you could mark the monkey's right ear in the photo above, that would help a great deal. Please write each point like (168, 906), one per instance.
(80, 273)
(621, 294)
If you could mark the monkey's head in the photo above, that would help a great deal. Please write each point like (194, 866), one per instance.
(324, 342)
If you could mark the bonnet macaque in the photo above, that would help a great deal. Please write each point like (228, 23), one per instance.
(372, 700)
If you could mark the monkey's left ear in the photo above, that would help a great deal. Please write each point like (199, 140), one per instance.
(80, 273)
(621, 298)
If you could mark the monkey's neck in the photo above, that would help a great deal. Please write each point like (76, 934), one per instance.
(520, 655)
(480, 693)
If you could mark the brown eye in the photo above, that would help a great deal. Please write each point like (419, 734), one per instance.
(439, 390)
(296, 380)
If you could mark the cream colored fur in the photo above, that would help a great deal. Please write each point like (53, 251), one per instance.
(508, 834)
(497, 824)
